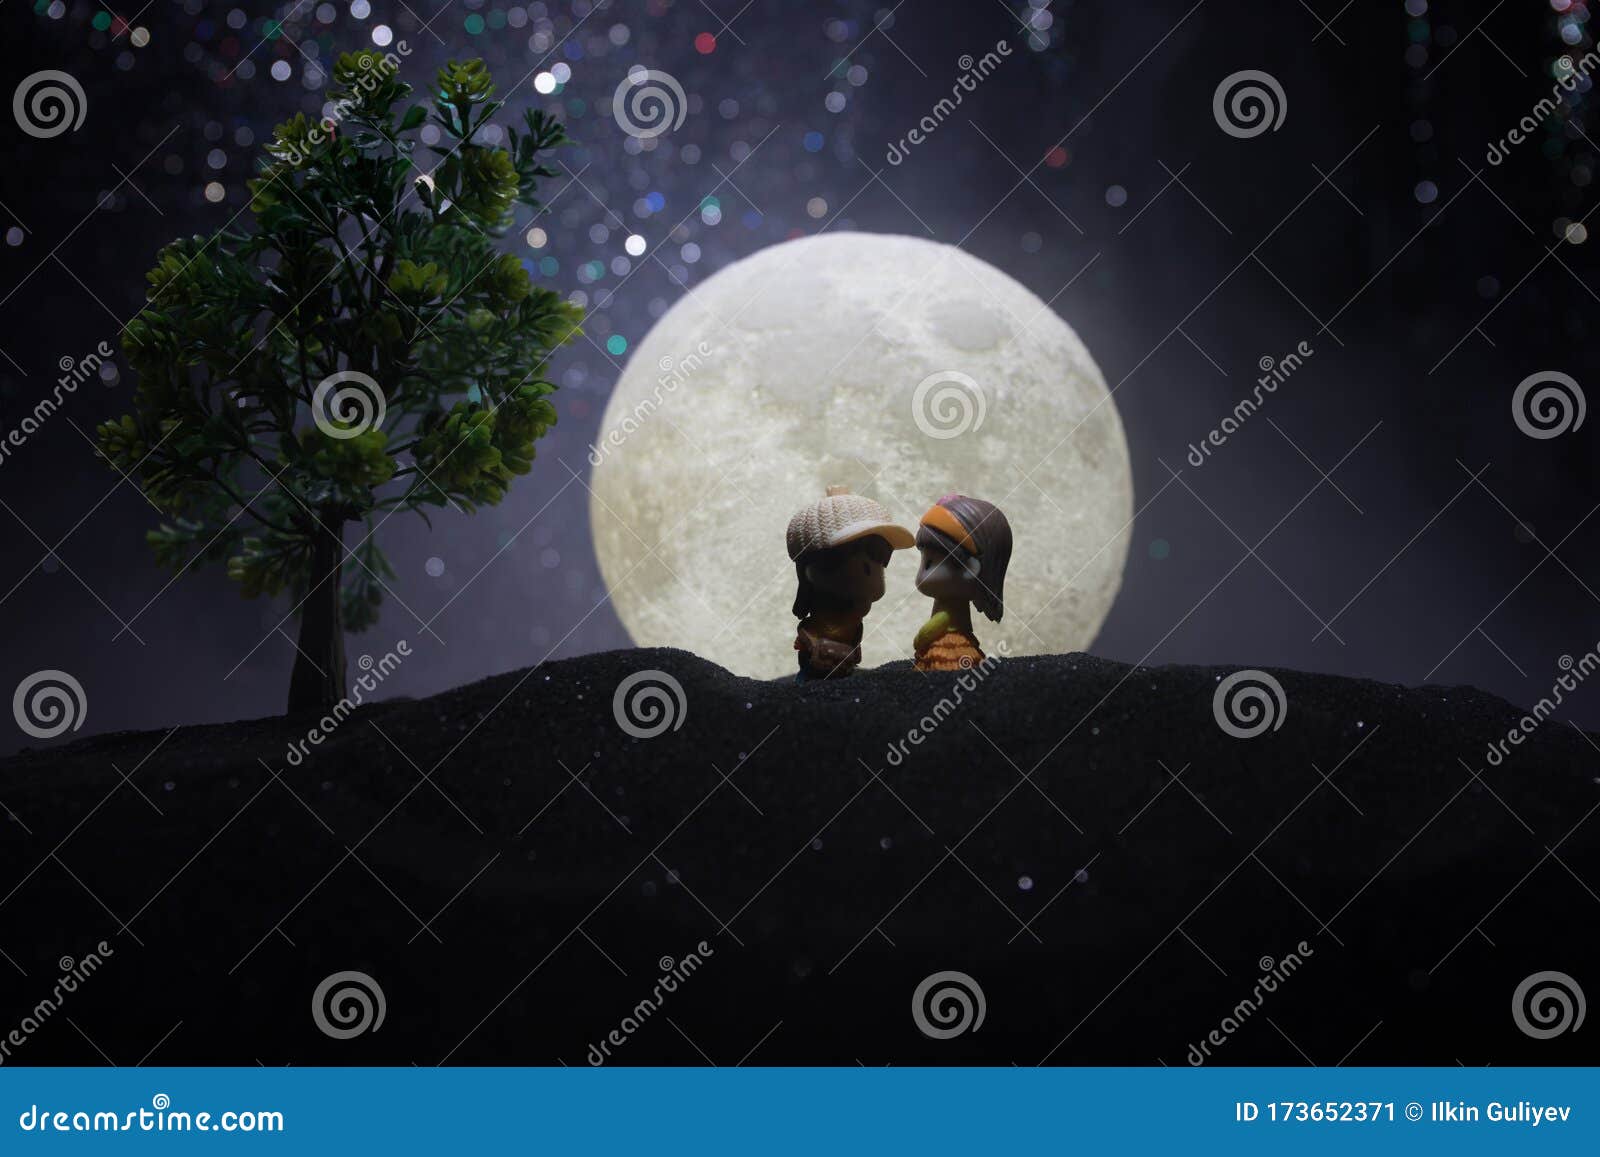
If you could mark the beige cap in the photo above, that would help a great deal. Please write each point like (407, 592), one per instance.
(843, 517)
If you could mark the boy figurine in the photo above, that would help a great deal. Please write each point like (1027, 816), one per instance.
(839, 546)
(966, 545)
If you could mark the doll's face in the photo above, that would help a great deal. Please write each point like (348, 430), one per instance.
(849, 572)
(947, 574)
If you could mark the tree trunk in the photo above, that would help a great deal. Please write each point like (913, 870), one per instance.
(318, 681)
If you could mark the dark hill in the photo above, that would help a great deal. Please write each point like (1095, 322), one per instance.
(1081, 838)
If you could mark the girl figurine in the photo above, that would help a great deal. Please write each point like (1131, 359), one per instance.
(965, 544)
(839, 546)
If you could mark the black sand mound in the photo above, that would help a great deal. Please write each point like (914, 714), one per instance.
(1122, 879)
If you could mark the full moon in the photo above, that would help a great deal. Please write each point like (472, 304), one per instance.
(901, 368)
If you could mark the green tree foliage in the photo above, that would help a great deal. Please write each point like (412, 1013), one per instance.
(372, 262)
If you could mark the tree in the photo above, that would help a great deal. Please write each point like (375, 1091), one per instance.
(365, 349)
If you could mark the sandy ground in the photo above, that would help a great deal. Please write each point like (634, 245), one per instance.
(1113, 871)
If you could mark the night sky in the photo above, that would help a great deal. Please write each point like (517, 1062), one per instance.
(1384, 515)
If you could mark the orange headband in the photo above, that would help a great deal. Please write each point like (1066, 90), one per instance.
(940, 519)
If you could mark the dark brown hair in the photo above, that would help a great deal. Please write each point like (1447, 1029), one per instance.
(991, 534)
(808, 598)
